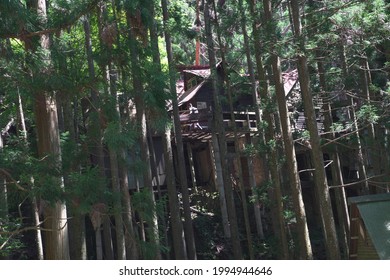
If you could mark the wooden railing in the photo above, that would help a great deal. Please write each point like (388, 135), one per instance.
(201, 120)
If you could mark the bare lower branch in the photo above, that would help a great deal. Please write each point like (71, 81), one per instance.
(355, 183)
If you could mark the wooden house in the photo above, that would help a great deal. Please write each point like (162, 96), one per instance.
(370, 227)
(195, 100)
(194, 93)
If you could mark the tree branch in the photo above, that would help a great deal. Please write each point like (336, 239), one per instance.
(355, 183)
(12, 180)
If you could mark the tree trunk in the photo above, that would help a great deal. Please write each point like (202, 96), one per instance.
(365, 190)
(340, 197)
(218, 182)
(67, 118)
(180, 251)
(188, 228)
(337, 176)
(304, 245)
(94, 135)
(358, 153)
(236, 174)
(3, 197)
(107, 238)
(257, 211)
(117, 207)
(220, 131)
(321, 184)
(34, 202)
(269, 136)
(373, 146)
(237, 157)
(249, 140)
(56, 239)
(192, 166)
(132, 250)
(131, 244)
(177, 227)
(109, 85)
(77, 229)
(141, 123)
(386, 158)
(252, 183)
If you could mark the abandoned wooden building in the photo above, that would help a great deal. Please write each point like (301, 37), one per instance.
(195, 100)
(194, 93)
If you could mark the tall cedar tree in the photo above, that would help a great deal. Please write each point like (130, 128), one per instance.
(135, 61)
(56, 238)
(219, 131)
(237, 154)
(268, 138)
(321, 184)
(188, 228)
(304, 245)
(337, 175)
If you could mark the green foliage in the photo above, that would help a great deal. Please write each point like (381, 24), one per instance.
(10, 237)
(206, 201)
(86, 188)
(260, 193)
(265, 249)
(367, 114)
(289, 215)
(266, 147)
(71, 152)
(337, 127)
(119, 137)
(180, 18)
(211, 244)
(250, 150)
(13, 16)
(41, 177)
(63, 13)
(145, 206)
(304, 135)
(143, 202)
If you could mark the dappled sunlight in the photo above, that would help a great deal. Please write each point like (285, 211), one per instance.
(387, 225)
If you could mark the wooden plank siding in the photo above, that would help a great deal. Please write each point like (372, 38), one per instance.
(360, 246)
(366, 249)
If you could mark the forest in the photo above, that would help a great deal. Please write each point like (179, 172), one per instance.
(194, 129)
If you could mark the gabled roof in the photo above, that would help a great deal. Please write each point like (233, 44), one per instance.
(184, 96)
(290, 79)
(189, 94)
(203, 73)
